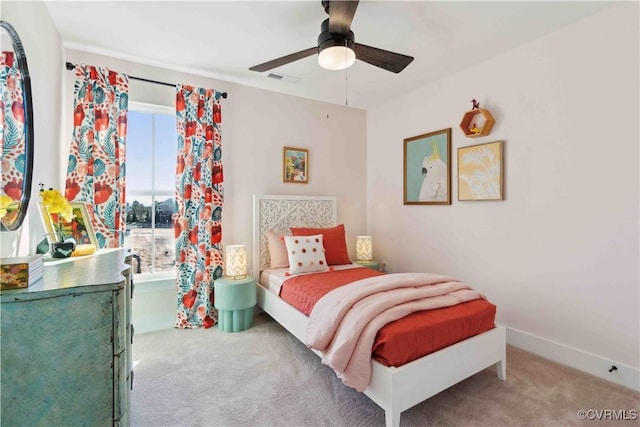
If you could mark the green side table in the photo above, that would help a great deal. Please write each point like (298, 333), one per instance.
(373, 265)
(234, 300)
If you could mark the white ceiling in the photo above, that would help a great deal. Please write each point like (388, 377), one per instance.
(222, 39)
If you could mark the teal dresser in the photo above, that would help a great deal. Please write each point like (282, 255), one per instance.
(234, 300)
(66, 345)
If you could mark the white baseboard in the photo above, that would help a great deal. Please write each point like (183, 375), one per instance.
(624, 375)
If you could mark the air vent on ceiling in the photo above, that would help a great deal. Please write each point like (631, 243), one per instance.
(284, 78)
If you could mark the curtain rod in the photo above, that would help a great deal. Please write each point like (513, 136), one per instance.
(70, 67)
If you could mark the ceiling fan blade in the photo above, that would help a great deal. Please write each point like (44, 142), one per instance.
(341, 15)
(390, 61)
(284, 60)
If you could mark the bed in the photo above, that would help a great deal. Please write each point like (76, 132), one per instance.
(394, 389)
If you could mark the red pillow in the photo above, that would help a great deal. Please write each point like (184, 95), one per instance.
(335, 244)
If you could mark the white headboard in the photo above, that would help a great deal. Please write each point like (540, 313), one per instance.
(278, 213)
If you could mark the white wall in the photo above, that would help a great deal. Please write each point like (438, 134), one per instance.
(560, 255)
(33, 24)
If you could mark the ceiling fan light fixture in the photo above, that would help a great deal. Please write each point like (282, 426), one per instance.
(336, 58)
(335, 51)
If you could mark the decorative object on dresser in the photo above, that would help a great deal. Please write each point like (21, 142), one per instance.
(427, 169)
(66, 223)
(20, 272)
(477, 121)
(66, 344)
(480, 175)
(295, 165)
(235, 294)
(55, 209)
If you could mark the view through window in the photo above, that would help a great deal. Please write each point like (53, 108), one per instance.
(151, 172)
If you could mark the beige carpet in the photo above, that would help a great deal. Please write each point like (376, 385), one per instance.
(265, 377)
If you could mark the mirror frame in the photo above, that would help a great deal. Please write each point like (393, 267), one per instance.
(21, 58)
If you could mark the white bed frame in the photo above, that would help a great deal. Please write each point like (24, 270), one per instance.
(393, 389)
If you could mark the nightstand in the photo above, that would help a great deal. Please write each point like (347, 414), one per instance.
(373, 265)
(234, 300)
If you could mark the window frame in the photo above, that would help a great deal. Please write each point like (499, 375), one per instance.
(158, 276)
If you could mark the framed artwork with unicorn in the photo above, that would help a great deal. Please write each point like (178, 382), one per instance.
(427, 169)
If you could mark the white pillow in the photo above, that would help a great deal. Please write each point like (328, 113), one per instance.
(306, 254)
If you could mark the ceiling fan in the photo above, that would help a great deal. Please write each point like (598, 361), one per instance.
(337, 48)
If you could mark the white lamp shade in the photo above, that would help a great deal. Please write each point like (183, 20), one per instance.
(364, 248)
(236, 261)
(336, 58)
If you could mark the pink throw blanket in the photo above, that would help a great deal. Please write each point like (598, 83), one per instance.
(344, 323)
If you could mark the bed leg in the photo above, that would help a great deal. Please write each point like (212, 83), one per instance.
(501, 365)
(392, 418)
(501, 369)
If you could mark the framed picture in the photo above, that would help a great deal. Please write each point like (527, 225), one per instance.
(295, 165)
(427, 169)
(480, 172)
(79, 228)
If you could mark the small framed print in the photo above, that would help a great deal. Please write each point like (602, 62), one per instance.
(80, 227)
(295, 165)
(480, 172)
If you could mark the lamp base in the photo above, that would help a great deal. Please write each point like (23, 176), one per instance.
(370, 264)
(243, 276)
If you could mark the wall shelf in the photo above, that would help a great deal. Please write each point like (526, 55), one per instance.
(477, 123)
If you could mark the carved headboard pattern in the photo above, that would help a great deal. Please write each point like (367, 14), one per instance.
(279, 213)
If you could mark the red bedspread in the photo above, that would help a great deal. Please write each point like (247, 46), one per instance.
(304, 290)
(406, 339)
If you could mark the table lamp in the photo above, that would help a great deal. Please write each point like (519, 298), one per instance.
(364, 249)
(236, 262)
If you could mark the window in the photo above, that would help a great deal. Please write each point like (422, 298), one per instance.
(150, 192)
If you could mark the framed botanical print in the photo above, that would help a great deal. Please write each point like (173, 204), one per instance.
(295, 165)
(480, 175)
(427, 169)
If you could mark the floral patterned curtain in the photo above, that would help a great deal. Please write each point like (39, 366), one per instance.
(96, 169)
(199, 196)
(12, 116)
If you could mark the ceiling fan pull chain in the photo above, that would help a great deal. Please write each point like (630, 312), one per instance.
(346, 86)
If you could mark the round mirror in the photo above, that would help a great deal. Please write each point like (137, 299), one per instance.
(16, 130)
